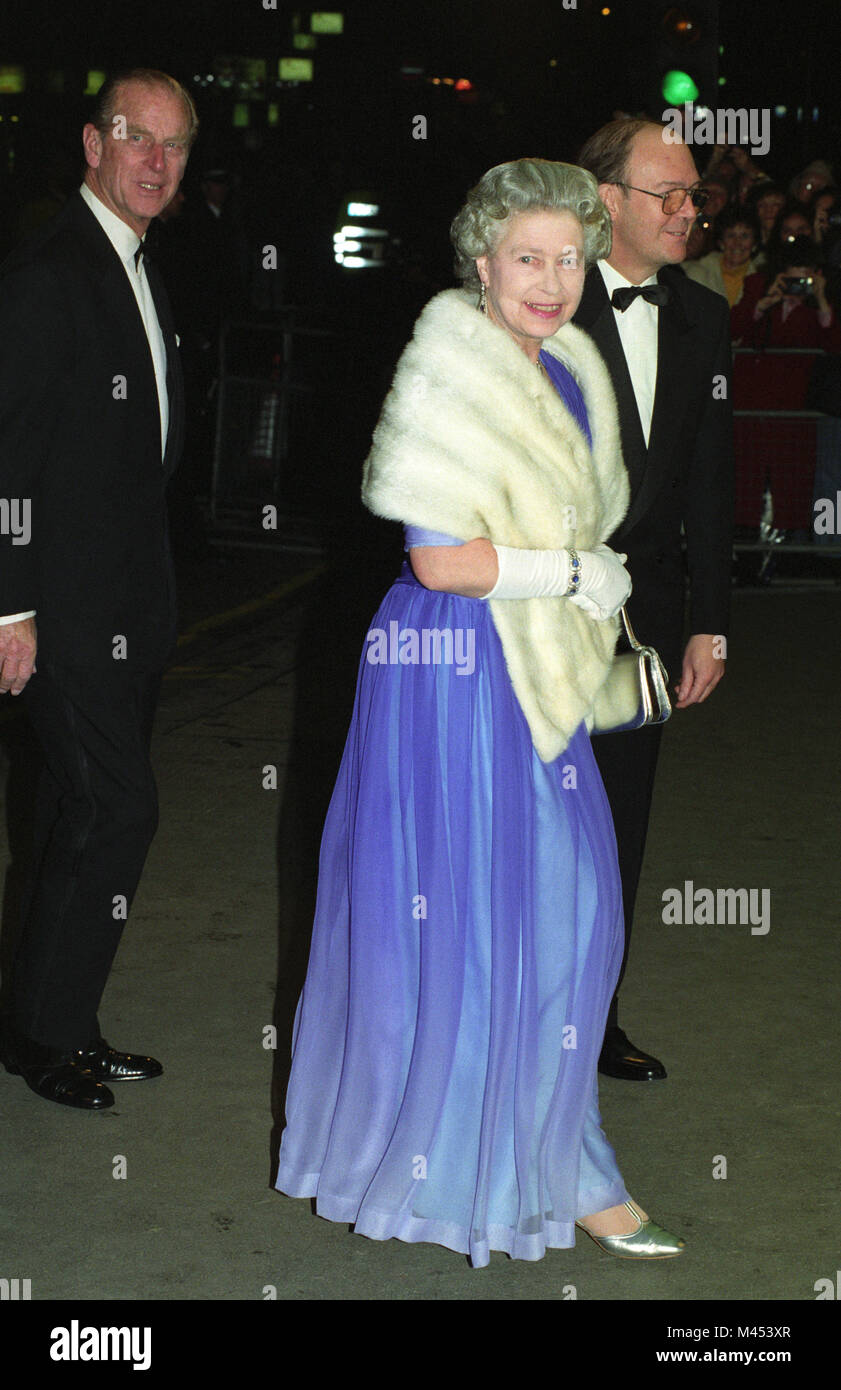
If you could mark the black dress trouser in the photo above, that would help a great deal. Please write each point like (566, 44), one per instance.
(627, 763)
(96, 816)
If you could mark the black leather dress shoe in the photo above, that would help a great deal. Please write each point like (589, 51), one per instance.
(620, 1058)
(54, 1075)
(107, 1065)
(70, 1084)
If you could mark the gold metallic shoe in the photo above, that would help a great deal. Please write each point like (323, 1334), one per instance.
(648, 1242)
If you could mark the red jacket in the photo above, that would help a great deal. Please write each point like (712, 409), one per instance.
(800, 329)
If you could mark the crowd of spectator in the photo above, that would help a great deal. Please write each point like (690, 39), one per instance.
(773, 249)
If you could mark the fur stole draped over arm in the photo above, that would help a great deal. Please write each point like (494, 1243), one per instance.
(474, 441)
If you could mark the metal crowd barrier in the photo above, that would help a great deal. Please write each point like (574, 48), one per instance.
(777, 443)
(291, 429)
(287, 396)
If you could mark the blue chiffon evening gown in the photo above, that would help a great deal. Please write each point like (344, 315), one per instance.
(467, 941)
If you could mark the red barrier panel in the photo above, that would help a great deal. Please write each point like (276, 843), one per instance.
(776, 442)
(772, 380)
(780, 451)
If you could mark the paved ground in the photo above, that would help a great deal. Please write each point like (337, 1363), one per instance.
(214, 956)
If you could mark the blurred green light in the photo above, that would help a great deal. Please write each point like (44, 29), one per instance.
(327, 22)
(295, 69)
(678, 87)
(95, 79)
(12, 80)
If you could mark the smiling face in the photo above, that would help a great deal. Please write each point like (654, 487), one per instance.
(137, 175)
(737, 244)
(644, 238)
(535, 277)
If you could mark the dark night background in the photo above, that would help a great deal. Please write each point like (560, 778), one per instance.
(541, 77)
(272, 626)
(544, 77)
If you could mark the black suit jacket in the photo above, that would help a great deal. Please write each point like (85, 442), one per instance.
(685, 476)
(80, 439)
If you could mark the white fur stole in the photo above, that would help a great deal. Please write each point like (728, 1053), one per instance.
(474, 441)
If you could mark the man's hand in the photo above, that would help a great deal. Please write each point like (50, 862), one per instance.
(702, 669)
(18, 645)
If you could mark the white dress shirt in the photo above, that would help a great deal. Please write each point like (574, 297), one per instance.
(638, 334)
(125, 242)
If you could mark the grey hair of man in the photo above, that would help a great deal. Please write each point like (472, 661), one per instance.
(108, 97)
(607, 153)
(526, 185)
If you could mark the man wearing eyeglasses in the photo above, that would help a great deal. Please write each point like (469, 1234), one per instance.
(91, 422)
(666, 342)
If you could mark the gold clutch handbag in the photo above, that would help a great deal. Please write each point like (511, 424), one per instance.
(635, 692)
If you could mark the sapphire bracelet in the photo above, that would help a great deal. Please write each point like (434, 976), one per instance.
(574, 573)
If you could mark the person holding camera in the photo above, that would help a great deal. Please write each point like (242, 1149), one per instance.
(788, 307)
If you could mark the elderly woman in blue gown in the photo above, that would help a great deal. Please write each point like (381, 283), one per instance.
(468, 928)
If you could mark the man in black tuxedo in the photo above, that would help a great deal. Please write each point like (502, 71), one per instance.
(91, 422)
(668, 353)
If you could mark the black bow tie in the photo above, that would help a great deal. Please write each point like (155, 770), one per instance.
(146, 249)
(655, 294)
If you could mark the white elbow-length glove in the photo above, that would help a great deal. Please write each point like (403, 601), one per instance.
(603, 582)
